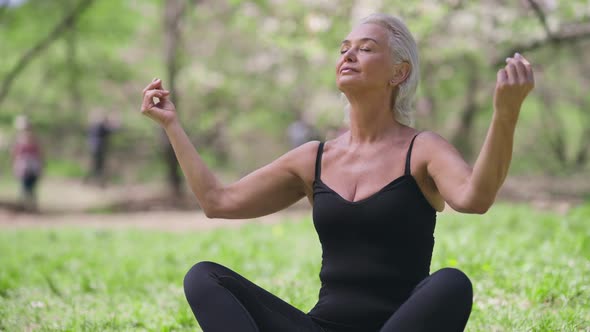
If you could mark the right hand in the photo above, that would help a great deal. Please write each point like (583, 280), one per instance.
(163, 112)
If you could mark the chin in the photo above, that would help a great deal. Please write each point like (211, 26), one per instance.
(348, 85)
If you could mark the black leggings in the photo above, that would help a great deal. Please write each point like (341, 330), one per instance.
(224, 301)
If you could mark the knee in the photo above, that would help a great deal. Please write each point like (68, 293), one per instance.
(199, 279)
(458, 284)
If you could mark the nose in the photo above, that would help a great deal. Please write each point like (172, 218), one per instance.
(349, 56)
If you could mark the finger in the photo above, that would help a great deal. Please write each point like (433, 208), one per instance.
(147, 102)
(530, 74)
(520, 72)
(160, 94)
(528, 67)
(502, 77)
(520, 57)
(525, 70)
(153, 85)
(162, 97)
(158, 84)
(511, 71)
(150, 86)
(148, 99)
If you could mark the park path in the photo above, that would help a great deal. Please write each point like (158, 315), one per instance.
(67, 203)
(154, 220)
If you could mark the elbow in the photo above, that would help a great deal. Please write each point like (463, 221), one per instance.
(475, 206)
(479, 208)
(472, 209)
(210, 213)
(216, 213)
(218, 205)
(212, 207)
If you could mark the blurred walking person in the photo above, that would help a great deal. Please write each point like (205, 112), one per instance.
(99, 133)
(27, 162)
(300, 132)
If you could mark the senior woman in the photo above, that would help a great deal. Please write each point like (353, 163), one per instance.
(375, 192)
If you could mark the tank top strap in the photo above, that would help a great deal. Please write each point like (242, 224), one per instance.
(318, 161)
(409, 156)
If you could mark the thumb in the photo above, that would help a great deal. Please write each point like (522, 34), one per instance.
(155, 108)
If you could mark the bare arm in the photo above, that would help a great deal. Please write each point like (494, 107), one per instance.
(264, 191)
(474, 190)
(268, 189)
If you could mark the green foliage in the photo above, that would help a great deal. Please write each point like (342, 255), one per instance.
(64, 168)
(529, 270)
(250, 67)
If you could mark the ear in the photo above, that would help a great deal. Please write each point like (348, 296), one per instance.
(401, 71)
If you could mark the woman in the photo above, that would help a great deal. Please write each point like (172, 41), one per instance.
(27, 161)
(375, 191)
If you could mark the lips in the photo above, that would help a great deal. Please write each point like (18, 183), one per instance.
(345, 70)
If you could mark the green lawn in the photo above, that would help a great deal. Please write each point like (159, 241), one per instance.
(530, 270)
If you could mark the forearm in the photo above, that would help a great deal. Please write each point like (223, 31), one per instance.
(491, 167)
(266, 190)
(474, 189)
(201, 180)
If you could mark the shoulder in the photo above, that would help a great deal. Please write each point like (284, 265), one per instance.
(437, 155)
(302, 156)
(300, 162)
(306, 149)
(431, 150)
(430, 137)
(431, 143)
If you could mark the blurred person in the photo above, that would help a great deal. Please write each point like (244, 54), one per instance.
(375, 192)
(99, 132)
(336, 131)
(300, 132)
(27, 162)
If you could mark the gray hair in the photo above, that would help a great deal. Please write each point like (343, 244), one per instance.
(404, 49)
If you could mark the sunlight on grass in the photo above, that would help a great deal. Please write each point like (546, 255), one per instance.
(530, 271)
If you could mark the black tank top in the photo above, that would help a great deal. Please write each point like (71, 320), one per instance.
(374, 251)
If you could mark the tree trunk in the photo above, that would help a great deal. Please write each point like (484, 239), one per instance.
(554, 131)
(173, 10)
(73, 72)
(34, 51)
(461, 137)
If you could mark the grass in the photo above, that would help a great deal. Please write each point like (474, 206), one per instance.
(530, 271)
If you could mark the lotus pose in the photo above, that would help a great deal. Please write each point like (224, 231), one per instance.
(375, 192)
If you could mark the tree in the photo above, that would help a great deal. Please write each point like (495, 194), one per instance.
(66, 23)
(173, 13)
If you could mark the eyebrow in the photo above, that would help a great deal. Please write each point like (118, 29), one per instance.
(346, 41)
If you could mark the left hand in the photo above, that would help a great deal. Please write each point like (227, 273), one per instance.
(513, 84)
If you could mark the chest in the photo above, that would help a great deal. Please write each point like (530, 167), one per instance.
(397, 210)
(356, 177)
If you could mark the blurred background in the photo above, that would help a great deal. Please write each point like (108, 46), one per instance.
(98, 227)
(250, 78)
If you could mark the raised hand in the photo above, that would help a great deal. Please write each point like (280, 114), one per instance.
(513, 84)
(161, 110)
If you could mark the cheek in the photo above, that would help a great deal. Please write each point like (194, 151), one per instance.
(379, 69)
(339, 63)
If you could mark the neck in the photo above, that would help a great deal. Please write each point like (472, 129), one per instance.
(371, 118)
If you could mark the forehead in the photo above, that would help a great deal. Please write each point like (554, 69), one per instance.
(368, 30)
